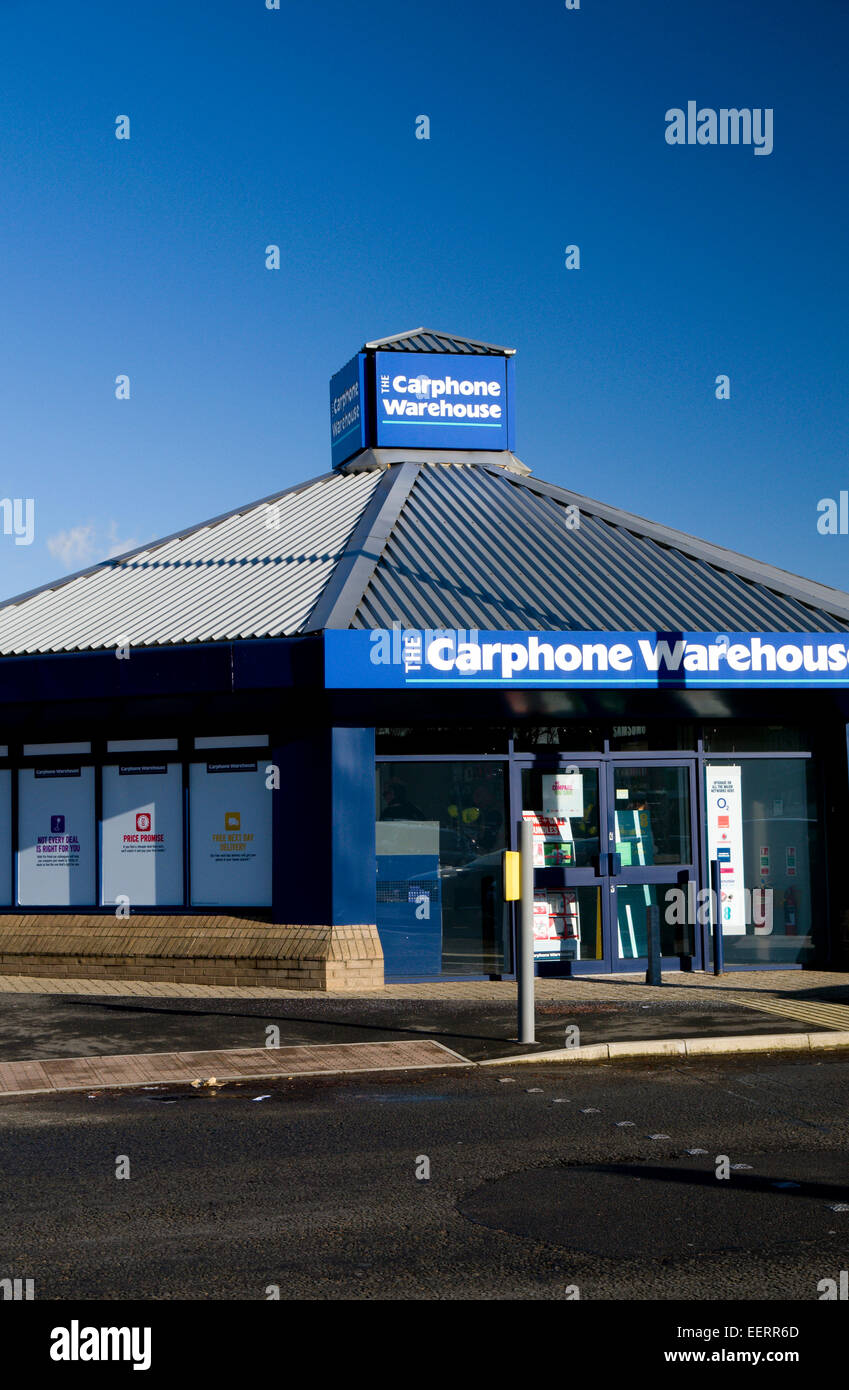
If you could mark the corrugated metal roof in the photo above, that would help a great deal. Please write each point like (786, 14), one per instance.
(477, 548)
(427, 340)
(234, 577)
(420, 545)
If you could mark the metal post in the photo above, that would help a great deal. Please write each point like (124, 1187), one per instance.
(525, 941)
(715, 881)
(653, 946)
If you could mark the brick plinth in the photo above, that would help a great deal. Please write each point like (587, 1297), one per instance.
(192, 950)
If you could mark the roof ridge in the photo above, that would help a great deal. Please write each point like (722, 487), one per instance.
(345, 589)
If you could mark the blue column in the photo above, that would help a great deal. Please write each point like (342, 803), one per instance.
(324, 852)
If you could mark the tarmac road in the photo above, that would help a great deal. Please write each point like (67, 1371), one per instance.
(553, 1179)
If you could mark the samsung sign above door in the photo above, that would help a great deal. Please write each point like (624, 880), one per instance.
(435, 400)
(414, 657)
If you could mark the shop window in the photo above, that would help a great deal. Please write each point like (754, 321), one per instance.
(676, 922)
(652, 815)
(655, 735)
(142, 834)
(142, 745)
(231, 741)
(5, 837)
(565, 825)
(56, 848)
(570, 738)
(764, 829)
(230, 834)
(41, 750)
(441, 829)
(443, 738)
(729, 737)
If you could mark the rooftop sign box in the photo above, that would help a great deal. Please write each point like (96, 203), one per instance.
(348, 410)
(421, 400)
(413, 657)
(434, 400)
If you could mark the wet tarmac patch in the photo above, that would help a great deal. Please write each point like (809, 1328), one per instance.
(674, 1207)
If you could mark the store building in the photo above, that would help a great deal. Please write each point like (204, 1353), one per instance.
(290, 745)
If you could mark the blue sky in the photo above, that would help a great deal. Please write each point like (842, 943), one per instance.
(297, 127)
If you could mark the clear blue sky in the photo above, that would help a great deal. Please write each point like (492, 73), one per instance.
(296, 127)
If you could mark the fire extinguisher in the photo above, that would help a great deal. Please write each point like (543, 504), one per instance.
(790, 917)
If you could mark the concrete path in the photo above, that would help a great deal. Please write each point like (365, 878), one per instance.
(583, 988)
(238, 1064)
(58, 1034)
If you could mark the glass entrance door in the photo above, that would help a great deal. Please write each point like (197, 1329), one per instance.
(651, 840)
(565, 806)
(611, 839)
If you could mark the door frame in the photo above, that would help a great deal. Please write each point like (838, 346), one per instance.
(602, 878)
(637, 876)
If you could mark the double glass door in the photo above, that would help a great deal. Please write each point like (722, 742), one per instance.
(611, 839)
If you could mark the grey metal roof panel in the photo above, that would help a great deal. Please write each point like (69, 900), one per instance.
(235, 577)
(427, 340)
(423, 546)
(474, 548)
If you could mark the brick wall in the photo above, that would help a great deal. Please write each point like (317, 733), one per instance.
(214, 950)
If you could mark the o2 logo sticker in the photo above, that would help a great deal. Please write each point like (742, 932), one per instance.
(143, 820)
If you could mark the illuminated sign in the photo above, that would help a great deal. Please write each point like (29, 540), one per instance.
(436, 400)
(421, 400)
(348, 411)
(417, 657)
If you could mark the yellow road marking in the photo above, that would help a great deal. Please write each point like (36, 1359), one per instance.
(805, 1011)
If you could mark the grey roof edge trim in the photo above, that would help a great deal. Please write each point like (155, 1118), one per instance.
(437, 333)
(182, 534)
(796, 586)
(346, 587)
(379, 457)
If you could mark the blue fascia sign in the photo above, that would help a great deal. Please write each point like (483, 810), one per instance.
(408, 658)
(434, 400)
(348, 410)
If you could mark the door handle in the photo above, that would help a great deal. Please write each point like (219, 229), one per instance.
(615, 864)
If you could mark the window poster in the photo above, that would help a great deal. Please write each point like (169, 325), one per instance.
(56, 836)
(553, 842)
(563, 794)
(230, 834)
(725, 843)
(5, 837)
(556, 925)
(141, 836)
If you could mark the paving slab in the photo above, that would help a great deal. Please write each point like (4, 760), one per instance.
(139, 1069)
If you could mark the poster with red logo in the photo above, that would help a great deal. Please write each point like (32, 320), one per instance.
(556, 925)
(142, 835)
(553, 844)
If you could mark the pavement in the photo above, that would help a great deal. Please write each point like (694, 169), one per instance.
(48, 1024)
